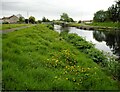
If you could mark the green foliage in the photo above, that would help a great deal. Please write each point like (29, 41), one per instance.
(21, 20)
(32, 19)
(74, 24)
(5, 23)
(50, 26)
(42, 60)
(109, 64)
(104, 24)
(26, 21)
(45, 20)
(79, 21)
(85, 47)
(66, 18)
(39, 21)
(112, 14)
(100, 16)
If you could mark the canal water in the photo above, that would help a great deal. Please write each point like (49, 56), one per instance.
(107, 41)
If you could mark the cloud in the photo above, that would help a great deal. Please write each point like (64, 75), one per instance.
(77, 9)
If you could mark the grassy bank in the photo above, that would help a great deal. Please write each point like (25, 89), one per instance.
(38, 58)
(104, 24)
(9, 26)
(108, 63)
(74, 24)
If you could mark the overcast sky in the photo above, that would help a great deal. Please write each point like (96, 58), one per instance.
(52, 9)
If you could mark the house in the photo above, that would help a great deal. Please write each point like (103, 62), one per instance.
(11, 19)
(20, 16)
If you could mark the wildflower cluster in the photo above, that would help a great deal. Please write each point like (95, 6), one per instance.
(80, 74)
(61, 59)
(71, 70)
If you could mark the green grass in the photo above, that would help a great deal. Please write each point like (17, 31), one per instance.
(104, 24)
(0, 61)
(9, 26)
(38, 58)
(74, 24)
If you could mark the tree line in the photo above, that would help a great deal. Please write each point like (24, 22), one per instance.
(32, 20)
(111, 15)
(64, 17)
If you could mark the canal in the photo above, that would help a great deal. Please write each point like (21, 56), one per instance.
(107, 41)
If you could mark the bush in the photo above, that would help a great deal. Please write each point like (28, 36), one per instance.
(5, 23)
(108, 63)
(50, 26)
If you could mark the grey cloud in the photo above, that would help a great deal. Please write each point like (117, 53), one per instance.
(51, 8)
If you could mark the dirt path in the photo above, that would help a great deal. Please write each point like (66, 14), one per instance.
(13, 29)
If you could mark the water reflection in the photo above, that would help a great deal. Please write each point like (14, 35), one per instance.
(112, 39)
(108, 41)
(64, 29)
(99, 36)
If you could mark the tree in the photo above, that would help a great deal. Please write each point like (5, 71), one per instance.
(45, 19)
(32, 19)
(66, 18)
(39, 21)
(79, 21)
(21, 20)
(26, 21)
(71, 20)
(100, 16)
(112, 14)
(118, 10)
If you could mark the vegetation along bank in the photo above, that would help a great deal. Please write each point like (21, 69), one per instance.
(38, 58)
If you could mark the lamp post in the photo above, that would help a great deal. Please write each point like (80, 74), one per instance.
(28, 16)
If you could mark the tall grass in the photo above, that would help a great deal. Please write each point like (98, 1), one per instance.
(108, 63)
(37, 58)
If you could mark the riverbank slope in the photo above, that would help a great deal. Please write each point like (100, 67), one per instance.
(100, 26)
(38, 58)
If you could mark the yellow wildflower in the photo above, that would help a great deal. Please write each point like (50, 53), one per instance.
(88, 68)
(55, 77)
(73, 79)
(66, 78)
(56, 61)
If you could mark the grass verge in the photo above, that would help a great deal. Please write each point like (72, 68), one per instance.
(9, 26)
(105, 24)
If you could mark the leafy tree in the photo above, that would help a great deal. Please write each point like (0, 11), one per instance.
(21, 20)
(79, 21)
(39, 21)
(112, 14)
(45, 19)
(32, 19)
(66, 18)
(26, 21)
(100, 16)
(71, 20)
(118, 10)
